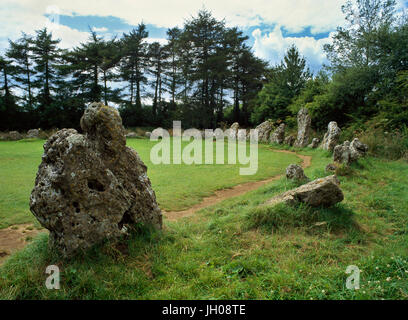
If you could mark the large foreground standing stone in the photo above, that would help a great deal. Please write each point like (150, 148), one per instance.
(331, 137)
(304, 124)
(321, 192)
(89, 186)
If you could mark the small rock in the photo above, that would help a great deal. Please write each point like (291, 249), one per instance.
(314, 144)
(331, 167)
(148, 134)
(324, 192)
(295, 172)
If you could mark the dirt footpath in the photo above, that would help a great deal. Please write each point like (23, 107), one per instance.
(238, 190)
(15, 238)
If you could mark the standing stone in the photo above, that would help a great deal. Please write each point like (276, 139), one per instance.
(131, 135)
(33, 133)
(342, 154)
(242, 135)
(331, 137)
(290, 140)
(314, 144)
(278, 136)
(295, 172)
(347, 152)
(357, 149)
(218, 133)
(15, 135)
(90, 187)
(304, 125)
(232, 132)
(264, 131)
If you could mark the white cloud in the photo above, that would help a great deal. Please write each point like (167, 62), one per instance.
(102, 29)
(17, 17)
(322, 15)
(162, 41)
(272, 47)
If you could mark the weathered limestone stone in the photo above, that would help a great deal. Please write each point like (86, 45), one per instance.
(218, 133)
(278, 136)
(331, 167)
(331, 137)
(342, 154)
(33, 133)
(148, 134)
(90, 187)
(242, 135)
(131, 135)
(264, 131)
(314, 144)
(304, 125)
(349, 152)
(290, 140)
(15, 135)
(357, 149)
(233, 131)
(324, 192)
(295, 172)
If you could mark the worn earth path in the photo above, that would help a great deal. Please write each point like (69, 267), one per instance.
(16, 237)
(238, 190)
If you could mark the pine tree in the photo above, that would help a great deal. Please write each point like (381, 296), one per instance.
(134, 63)
(45, 55)
(20, 52)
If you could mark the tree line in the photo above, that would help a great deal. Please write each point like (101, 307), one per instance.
(204, 68)
(206, 75)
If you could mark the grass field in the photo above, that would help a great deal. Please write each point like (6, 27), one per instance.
(177, 187)
(234, 250)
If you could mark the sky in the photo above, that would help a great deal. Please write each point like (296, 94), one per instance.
(271, 25)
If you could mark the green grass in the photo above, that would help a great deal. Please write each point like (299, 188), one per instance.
(177, 187)
(234, 250)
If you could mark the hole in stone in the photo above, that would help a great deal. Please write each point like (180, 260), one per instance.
(76, 206)
(94, 184)
(125, 220)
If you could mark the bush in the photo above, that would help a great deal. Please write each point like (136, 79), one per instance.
(383, 141)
